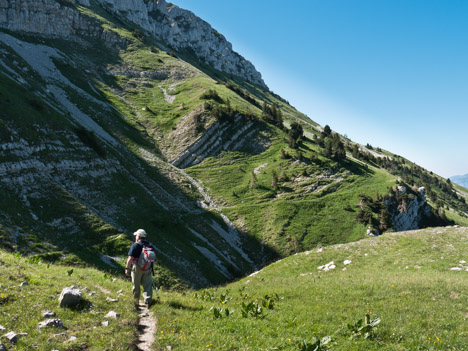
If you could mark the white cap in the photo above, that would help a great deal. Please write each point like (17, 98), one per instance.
(141, 233)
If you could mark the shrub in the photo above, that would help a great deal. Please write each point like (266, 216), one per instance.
(88, 138)
(37, 105)
(138, 34)
(211, 94)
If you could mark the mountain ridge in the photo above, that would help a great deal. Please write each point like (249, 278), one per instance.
(179, 29)
(461, 180)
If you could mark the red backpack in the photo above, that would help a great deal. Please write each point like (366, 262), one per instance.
(147, 257)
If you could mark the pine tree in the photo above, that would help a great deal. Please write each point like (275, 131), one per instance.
(327, 150)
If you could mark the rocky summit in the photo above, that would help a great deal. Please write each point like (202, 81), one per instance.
(178, 29)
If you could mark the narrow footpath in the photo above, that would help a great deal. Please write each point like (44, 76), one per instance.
(146, 329)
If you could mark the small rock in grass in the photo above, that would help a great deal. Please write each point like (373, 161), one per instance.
(24, 284)
(12, 337)
(105, 323)
(56, 323)
(112, 314)
(111, 300)
(48, 314)
(327, 267)
(455, 269)
(2, 328)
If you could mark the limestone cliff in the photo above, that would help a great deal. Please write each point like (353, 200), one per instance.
(408, 210)
(177, 28)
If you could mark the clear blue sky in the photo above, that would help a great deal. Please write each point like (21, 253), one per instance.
(392, 73)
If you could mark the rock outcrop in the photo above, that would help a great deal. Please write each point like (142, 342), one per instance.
(220, 136)
(182, 30)
(53, 19)
(70, 297)
(178, 29)
(410, 211)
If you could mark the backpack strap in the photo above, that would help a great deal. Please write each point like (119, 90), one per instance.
(144, 252)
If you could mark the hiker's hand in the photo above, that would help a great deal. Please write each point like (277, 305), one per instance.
(127, 272)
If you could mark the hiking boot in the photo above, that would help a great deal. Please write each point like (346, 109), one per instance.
(148, 304)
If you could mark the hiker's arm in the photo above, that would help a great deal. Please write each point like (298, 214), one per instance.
(128, 266)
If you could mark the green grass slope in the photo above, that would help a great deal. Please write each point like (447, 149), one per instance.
(313, 201)
(22, 307)
(414, 282)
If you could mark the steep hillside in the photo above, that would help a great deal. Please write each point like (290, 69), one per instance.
(120, 115)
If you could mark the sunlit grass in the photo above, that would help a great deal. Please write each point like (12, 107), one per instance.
(22, 306)
(404, 279)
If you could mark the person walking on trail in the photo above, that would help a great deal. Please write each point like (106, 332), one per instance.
(141, 257)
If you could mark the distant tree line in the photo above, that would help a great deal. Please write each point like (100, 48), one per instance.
(331, 144)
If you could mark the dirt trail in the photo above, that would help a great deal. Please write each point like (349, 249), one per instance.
(146, 329)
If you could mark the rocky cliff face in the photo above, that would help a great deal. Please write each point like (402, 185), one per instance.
(53, 19)
(177, 28)
(238, 134)
(181, 29)
(408, 212)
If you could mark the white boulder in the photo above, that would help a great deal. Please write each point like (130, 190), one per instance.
(69, 297)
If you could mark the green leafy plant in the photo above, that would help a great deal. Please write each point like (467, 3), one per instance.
(34, 260)
(70, 272)
(219, 312)
(364, 328)
(224, 298)
(243, 293)
(252, 309)
(317, 344)
(269, 301)
(108, 277)
(205, 295)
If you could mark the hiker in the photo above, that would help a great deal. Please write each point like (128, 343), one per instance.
(140, 269)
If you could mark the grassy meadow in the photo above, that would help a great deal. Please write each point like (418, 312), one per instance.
(22, 306)
(403, 279)
(411, 285)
